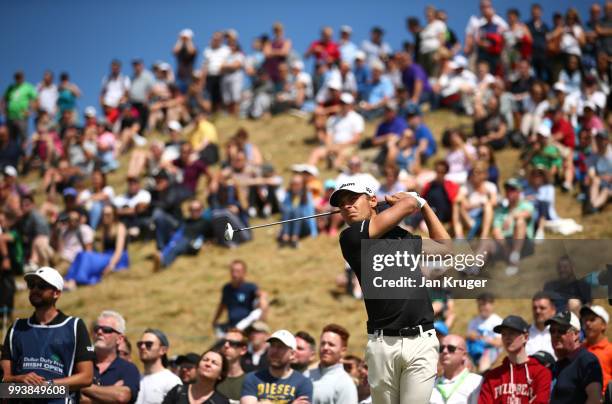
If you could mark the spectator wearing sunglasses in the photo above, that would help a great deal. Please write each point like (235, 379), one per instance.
(233, 349)
(157, 381)
(187, 367)
(331, 383)
(456, 384)
(115, 379)
(578, 372)
(67, 348)
(520, 378)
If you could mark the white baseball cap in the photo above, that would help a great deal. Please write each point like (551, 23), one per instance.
(560, 86)
(10, 171)
(334, 84)
(163, 66)
(346, 28)
(297, 64)
(360, 55)
(460, 61)
(49, 275)
(355, 186)
(90, 111)
(597, 310)
(175, 126)
(285, 337)
(544, 130)
(186, 32)
(347, 98)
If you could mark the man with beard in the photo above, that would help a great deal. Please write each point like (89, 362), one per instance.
(331, 383)
(304, 352)
(278, 383)
(115, 379)
(49, 347)
(156, 381)
(233, 349)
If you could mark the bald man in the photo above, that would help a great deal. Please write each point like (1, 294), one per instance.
(456, 384)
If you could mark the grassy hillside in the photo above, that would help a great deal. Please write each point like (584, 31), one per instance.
(182, 299)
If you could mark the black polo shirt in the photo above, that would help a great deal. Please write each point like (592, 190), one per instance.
(572, 375)
(120, 369)
(387, 314)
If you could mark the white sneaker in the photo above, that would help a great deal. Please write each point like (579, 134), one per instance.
(252, 212)
(539, 236)
(29, 268)
(511, 270)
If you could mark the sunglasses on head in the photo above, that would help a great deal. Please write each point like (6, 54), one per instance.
(40, 285)
(449, 348)
(147, 344)
(233, 344)
(105, 329)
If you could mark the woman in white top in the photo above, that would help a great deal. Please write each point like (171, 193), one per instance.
(475, 204)
(433, 37)
(536, 106)
(460, 156)
(233, 77)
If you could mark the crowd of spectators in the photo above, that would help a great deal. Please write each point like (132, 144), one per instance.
(542, 88)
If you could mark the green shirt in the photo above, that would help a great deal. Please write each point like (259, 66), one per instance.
(231, 387)
(18, 98)
(502, 213)
(549, 157)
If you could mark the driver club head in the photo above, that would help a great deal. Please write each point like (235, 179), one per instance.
(229, 232)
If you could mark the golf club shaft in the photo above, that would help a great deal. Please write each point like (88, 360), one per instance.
(297, 218)
(289, 220)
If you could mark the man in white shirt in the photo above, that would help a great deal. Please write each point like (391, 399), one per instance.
(543, 309)
(456, 385)
(157, 380)
(343, 131)
(133, 205)
(331, 383)
(115, 87)
(214, 57)
(47, 94)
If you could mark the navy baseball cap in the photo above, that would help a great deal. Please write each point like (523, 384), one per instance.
(513, 322)
(413, 110)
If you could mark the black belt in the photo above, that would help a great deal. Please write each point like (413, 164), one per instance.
(404, 332)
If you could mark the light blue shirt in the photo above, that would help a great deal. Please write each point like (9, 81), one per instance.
(378, 91)
(348, 51)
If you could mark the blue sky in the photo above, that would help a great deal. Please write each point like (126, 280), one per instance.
(81, 37)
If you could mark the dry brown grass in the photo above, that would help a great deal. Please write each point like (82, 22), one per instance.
(182, 299)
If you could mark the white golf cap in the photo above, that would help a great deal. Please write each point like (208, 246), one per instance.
(175, 126)
(453, 65)
(460, 61)
(355, 186)
(165, 67)
(560, 86)
(187, 32)
(297, 64)
(305, 168)
(360, 55)
(377, 65)
(10, 171)
(285, 337)
(589, 104)
(334, 84)
(597, 310)
(544, 130)
(49, 275)
(346, 28)
(90, 111)
(232, 33)
(347, 98)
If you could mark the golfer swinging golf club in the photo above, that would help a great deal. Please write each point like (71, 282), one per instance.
(402, 350)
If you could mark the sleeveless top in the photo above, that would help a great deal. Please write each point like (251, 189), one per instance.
(47, 350)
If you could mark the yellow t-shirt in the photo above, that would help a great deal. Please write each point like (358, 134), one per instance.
(204, 132)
